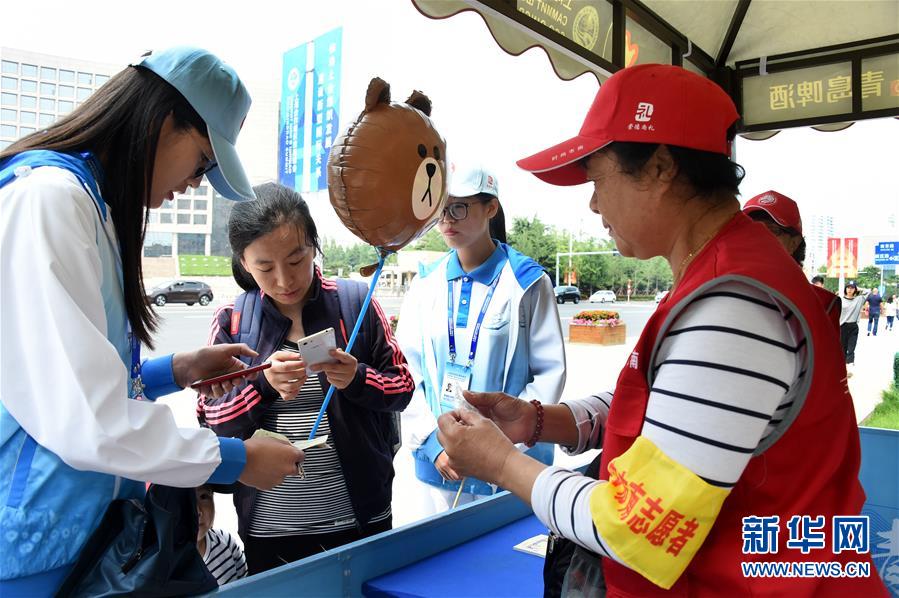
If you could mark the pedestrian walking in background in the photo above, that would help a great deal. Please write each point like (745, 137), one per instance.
(852, 310)
(874, 301)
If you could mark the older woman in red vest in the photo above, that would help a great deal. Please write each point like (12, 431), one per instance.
(729, 442)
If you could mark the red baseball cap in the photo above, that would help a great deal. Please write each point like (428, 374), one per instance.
(648, 103)
(778, 206)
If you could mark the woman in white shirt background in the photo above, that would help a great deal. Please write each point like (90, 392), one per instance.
(483, 317)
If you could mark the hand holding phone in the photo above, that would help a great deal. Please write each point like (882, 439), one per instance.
(316, 349)
(342, 371)
(287, 374)
(231, 375)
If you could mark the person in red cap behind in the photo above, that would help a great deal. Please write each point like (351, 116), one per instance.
(780, 215)
(707, 435)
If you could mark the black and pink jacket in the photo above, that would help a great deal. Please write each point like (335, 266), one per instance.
(360, 415)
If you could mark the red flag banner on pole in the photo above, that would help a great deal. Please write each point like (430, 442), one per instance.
(843, 262)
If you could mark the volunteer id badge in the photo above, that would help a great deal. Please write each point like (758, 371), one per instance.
(456, 378)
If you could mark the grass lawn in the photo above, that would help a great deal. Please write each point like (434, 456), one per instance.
(204, 265)
(886, 414)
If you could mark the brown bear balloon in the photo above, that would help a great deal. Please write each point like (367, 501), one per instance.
(387, 172)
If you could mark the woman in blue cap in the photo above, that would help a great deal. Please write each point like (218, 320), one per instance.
(501, 332)
(78, 426)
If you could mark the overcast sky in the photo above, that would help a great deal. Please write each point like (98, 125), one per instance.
(491, 107)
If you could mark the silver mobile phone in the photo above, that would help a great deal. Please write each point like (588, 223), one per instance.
(315, 349)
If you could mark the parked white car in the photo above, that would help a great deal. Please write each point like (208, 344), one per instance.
(660, 295)
(603, 297)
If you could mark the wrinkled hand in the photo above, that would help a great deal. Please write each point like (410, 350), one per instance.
(443, 467)
(208, 362)
(269, 461)
(516, 417)
(474, 445)
(339, 374)
(287, 374)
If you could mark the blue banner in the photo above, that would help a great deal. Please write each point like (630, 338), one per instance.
(310, 107)
(886, 254)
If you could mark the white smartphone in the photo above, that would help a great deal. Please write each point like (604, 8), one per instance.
(315, 349)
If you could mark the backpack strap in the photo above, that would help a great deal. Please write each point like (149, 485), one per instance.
(351, 295)
(247, 330)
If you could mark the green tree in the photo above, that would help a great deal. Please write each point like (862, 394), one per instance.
(534, 239)
(430, 241)
(868, 278)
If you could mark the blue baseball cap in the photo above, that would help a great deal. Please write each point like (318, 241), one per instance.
(471, 180)
(215, 91)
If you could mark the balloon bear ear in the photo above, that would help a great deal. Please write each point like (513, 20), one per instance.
(378, 93)
(420, 101)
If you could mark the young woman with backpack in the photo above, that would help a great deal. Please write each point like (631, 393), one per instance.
(345, 492)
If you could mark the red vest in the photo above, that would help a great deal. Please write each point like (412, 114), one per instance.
(812, 469)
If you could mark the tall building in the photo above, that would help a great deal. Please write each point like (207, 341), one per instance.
(37, 89)
(817, 229)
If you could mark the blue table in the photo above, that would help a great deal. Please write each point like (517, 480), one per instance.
(486, 566)
(440, 556)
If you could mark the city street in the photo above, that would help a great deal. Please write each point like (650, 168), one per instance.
(590, 368)
(185, 328)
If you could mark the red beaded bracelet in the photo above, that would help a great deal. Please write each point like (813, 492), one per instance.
(538, 429)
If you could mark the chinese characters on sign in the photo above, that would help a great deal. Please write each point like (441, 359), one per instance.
(807, 533)
(886, 253)
(831, 91)
(310, 102)
(820, 91)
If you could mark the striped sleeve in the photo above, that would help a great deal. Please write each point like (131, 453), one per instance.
(238, 412)
(590, 415)
(727, 376)
(561, 500)
(386, 383)
(224, 558)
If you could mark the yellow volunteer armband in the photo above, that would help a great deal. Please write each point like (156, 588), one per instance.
(654, 513)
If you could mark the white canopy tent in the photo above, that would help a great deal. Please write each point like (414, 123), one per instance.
(824, 63)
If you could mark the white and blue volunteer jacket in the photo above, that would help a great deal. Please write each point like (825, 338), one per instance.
(71, 438)
(520, 347)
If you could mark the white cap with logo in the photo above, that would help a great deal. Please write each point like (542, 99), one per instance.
(471, 180)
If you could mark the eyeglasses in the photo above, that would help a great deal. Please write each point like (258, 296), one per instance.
(458, 210)
(202, 170)
(208, 163)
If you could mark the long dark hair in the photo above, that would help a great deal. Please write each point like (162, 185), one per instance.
(498, 223)
(120, 124)
(274, 205)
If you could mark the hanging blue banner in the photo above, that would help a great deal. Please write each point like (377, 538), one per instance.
(310, 106)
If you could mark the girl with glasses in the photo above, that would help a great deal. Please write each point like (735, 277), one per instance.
(484, 318)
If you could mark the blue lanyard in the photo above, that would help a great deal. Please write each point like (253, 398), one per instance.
(451, 328)
(137, 385)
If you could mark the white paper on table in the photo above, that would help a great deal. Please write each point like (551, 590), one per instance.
(535, 545)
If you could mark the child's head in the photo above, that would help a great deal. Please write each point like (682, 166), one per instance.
(205, 510)
(274, 243)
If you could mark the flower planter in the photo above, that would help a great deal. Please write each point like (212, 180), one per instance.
(600, 335)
